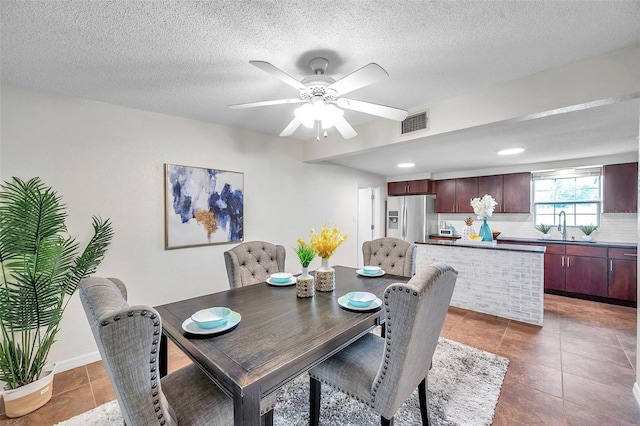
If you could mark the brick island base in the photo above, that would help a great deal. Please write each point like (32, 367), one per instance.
(506, 281)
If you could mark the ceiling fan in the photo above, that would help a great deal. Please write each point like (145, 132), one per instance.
(322, 99)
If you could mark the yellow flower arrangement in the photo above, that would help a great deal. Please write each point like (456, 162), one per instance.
(327, 241)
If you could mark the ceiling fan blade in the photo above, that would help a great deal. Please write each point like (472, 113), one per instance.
(373, 109)
(267, 103)
(291, 127)
(279, 74)
(365, 76)
(345, 128)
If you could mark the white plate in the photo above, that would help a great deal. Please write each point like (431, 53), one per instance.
(291, 281)
(191, 327)
(379, 274)
(344, 302)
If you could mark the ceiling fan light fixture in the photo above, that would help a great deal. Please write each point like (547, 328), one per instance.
(331, 115)
(304, 114)
(318, 110)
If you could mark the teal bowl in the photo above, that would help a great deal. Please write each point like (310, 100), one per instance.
(360, 299)
(211, 317)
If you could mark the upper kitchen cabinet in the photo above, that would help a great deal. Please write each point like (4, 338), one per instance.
(620, 188)
(454, 195)
(492, 185)
(411, 187)
(512, 192)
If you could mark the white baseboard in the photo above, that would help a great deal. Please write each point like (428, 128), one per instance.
(636, 392)
(77, 361)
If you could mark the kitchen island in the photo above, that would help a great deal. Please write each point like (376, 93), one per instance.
(502, 280)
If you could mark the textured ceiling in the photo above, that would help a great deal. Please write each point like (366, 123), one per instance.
(190, 59)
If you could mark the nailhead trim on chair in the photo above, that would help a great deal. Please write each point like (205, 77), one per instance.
(389, 324)
(153, 360)
(352, 396)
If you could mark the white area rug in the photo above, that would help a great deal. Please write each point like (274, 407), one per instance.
(464, 386)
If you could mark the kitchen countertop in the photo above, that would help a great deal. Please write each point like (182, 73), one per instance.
(572, 242)
(485, 245)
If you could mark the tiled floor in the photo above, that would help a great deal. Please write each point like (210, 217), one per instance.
(578, 369)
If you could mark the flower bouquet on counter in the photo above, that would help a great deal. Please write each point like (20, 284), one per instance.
(483, 207)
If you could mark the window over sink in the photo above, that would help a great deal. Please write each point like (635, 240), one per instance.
(577, 192)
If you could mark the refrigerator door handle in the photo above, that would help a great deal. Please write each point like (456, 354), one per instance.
(404, 221)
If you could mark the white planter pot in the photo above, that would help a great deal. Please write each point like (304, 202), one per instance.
(28, 398)
(467, 231)
(587, 238)
(546, 236)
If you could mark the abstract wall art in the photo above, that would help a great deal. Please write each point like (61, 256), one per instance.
(202, 206)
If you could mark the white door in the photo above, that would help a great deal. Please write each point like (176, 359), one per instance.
(368, 217)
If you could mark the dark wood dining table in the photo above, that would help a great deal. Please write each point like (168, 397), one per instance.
(279, 336)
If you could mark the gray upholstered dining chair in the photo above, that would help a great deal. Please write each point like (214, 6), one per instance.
(128, 338)
(253, 262)
(393, 255)
(383, 372)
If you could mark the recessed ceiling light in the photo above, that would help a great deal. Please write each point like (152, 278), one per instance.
(406, 165)
(511, 151)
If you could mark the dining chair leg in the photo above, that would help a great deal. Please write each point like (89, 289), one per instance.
(314, 401)
(383, 330)
(386, 422)
(423, 397)
(267, 418)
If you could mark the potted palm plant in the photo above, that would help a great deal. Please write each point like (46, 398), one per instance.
(587, 230)
(41, 270)
(305, 281)
(544, 229)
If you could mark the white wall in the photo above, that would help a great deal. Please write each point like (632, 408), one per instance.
(108, 160)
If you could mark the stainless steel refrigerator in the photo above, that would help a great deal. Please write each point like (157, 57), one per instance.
(412, 217)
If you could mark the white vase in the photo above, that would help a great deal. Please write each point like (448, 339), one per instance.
(30, 397)
(305, 284)
(467, 230)
(325, 276)
(587, 238)
(546, 236)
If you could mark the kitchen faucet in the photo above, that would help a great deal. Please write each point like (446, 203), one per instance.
(562, 226)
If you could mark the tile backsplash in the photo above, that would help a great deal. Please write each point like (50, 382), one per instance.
(614, 227)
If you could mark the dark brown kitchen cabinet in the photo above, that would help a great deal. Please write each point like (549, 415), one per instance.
(554, 270)
(516, 193)
(454, 195)
(623, 274)
(446, 196)
(512, 191)
(411, 187)
(620, 188)
(586, 270)
(492, 185)
(466, 189)
(596, 272)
